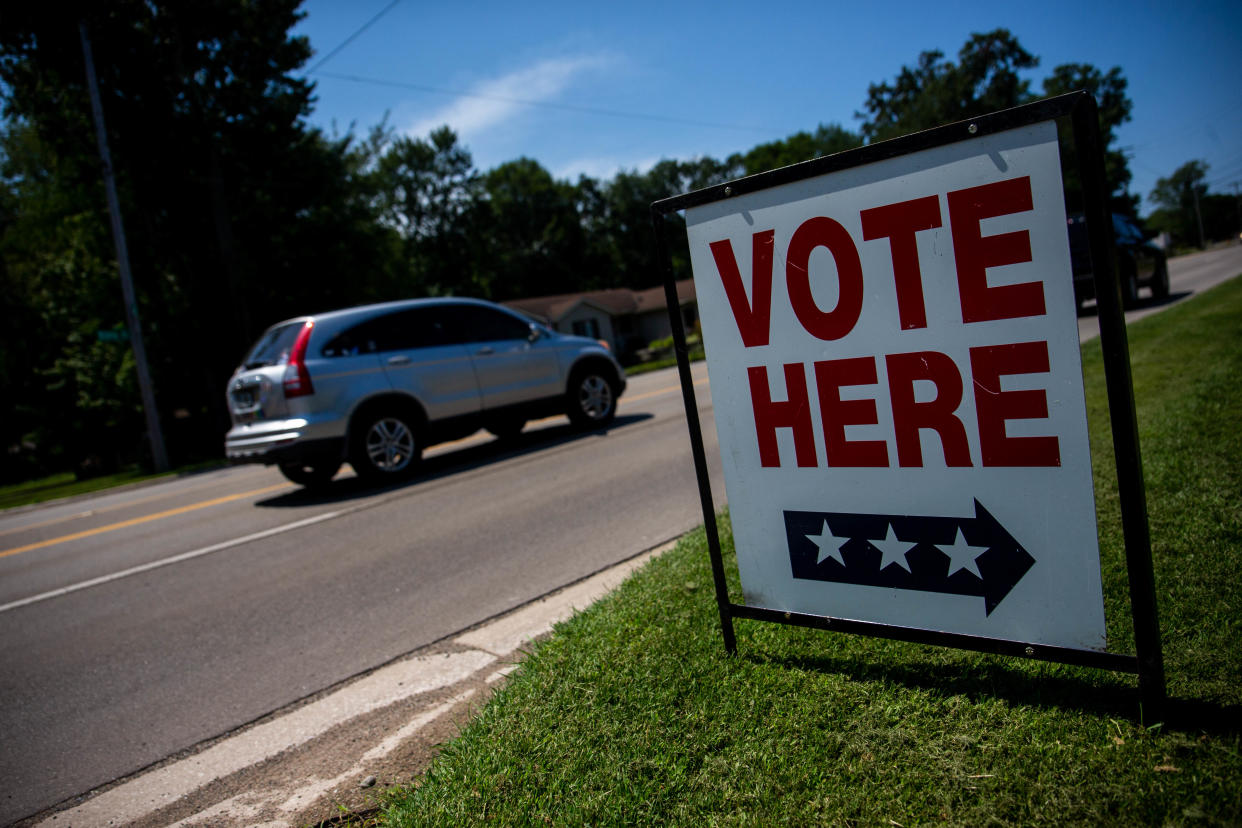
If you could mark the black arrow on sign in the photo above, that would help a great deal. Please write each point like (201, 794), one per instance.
(958, 556)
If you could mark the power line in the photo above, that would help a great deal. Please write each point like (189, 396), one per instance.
(351, 38)
(590, 110)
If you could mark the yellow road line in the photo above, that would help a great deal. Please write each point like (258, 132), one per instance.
(17, 550)
(658, 392)
(112, 527)
(101, 509)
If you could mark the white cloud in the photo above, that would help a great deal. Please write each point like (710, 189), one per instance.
(494, 102)
(601, 168)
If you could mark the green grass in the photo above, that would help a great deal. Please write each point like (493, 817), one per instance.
(696, 355)
(631, 713)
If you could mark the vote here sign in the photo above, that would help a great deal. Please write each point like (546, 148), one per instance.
(894, 363)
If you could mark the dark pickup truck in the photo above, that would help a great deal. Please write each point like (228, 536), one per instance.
(1139, 262)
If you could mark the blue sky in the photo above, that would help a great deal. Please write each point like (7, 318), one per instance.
(591, 88)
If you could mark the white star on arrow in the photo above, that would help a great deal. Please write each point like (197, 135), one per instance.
(962, 555)
(893, 550)
(829, 545)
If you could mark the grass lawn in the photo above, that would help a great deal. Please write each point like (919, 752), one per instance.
(632, 713)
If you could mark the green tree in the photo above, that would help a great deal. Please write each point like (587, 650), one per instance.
(530, 239)
(626, 217)
(937, 91)
(986, 78)
(1181, 195)
(237, 213)
(62, 385)
(1109, 91)
(428, 191)
(801, 146)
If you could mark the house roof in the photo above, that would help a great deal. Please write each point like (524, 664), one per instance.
(615, 302)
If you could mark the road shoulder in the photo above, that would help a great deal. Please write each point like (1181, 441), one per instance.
(336, 750)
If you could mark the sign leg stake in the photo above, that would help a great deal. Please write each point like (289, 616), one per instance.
(696, 436)
(1129, 462)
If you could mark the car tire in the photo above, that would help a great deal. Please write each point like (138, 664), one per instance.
(1160, 285)
(310, 476)
(506, 429)
(385, 446)
(591, 400)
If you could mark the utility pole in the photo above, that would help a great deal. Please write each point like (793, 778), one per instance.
(158, 454)
(1194, 188)
(1237, 198)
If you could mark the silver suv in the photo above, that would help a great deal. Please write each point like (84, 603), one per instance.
(375, 385)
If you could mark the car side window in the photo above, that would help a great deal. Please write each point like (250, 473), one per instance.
(411, 328)
(401, 330)
(351, 342)
(476, 323)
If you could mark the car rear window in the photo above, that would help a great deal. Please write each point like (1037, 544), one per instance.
(274, 346)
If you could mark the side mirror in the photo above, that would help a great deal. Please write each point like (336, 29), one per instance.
(536, 333)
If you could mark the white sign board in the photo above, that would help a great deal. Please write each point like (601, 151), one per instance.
(897, 388)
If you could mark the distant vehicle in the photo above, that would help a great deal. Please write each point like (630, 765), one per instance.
(1139, 262)
(376, 385)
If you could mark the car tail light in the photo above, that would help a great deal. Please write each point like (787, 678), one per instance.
(297, 380)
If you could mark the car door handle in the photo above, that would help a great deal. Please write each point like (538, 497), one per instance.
(398, 360)
(486, 350)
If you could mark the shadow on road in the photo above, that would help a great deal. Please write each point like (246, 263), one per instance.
(471, 457)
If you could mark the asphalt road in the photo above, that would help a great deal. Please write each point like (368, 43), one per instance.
(136, 624)
(101, 681)
(1188, 275)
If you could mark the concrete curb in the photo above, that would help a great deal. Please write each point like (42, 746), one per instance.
(435, 675)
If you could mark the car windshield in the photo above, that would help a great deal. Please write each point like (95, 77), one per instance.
(274, 346)
(538, 321)
(1126, 232)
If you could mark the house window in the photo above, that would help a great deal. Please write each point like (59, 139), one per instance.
(587, 327)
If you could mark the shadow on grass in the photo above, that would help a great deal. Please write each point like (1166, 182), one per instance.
(450, 463)
(1114, 695)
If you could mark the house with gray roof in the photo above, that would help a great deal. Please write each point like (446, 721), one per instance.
(626, 319)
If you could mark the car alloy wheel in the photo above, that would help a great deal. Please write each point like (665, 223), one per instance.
(389, 446)
(593, 401)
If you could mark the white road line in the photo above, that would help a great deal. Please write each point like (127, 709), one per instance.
(175, 559)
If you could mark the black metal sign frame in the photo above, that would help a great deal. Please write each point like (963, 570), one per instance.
(1080, 109)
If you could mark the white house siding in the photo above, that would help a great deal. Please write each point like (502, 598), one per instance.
(584, 313)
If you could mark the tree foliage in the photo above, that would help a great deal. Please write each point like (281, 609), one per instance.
(234, 209)
(987, 77)
(1181, 189)
(801, 146)
(1109, 91)
(1189, 213)
(937, 91)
